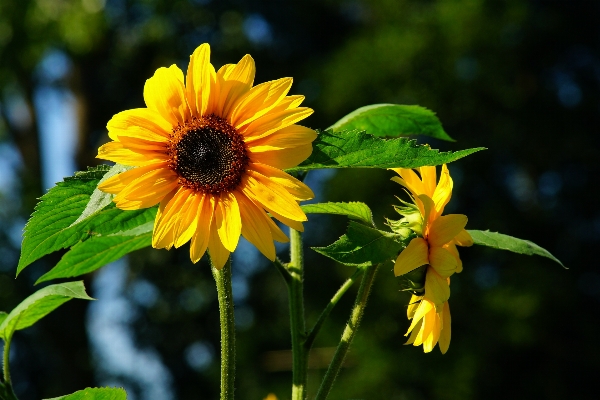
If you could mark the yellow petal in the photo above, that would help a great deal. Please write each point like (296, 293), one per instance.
(261, 190)
(431, 331)
(278, 234)
(282, 159)
(118, 182)
(288, 222)
(167, 240)
(413, 256)
(188, 218)
(443, 261)
(116, 152)
(165, 225)
(463, 239)
(437, 289)
(143, 146)
(147, 190)
(198, 80)
(202, 234)
(443, 229)
(234, 82)
(228, 221)
(255, 227)
(414, 332)
(290, 136)
(443, 191)
(165, 93)
(426, 206)
(412, 306)
(274, 121)
(411, 181)
(218, 253)
(454, 251)
(428, 177)
(446, 329)
(297, 189)
(259, 101)
(144, 120)
(425, 306)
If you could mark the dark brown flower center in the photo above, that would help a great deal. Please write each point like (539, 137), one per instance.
(208, 154)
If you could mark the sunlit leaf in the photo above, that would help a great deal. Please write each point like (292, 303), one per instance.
(393, 120)
(362, 246)
(98, 251)
(504, 242)
(95, 394)
(353, 210)
(356, 149)
(3, 316)
(39, 304)
(57, 224)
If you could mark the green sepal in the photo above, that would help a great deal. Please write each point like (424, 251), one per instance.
(362, 246)
(500, 241)
(354, 210)
(393, 120)
(414, 281)
(40, 304)
(95, 394)
(357, 149)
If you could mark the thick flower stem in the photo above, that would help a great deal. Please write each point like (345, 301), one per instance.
(297, 321)
(225, 296)
(349, 332)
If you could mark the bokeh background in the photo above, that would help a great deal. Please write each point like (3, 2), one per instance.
(520, 77)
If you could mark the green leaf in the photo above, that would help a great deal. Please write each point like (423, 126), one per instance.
(57, 221)
(3, 316)
(356, 149)
(98, 251)
(504, 242)
(353, 210)
(95, 394)
(39, 304)
(393, 120)
(362, 246)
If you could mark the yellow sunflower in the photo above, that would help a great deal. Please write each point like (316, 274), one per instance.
(210, 152)
(436, 248)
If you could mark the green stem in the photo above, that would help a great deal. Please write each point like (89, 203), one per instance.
(6, 390)
(225, 296)
(349, 332)
(310, 338)
(297, 321)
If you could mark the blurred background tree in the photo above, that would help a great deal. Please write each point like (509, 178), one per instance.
(520, 77)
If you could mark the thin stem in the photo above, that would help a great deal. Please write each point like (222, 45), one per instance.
(227, 321)
(5, 360)
(349, 332)
(297, 321)
(310, 338)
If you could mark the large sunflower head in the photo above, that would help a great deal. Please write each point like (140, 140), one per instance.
(210, 151)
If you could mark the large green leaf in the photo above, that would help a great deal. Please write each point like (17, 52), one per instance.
(353, 210)
(362, 246)
(57, 221)
(504, 242)
(393, 120)
(98, 251)
(95, 394)
(356, 149)
(39, 304)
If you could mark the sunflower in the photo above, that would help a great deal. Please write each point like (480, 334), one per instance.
(436, 248)
(210, 152)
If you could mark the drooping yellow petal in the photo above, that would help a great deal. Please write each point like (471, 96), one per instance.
(297, 189)
(443, 229)
(255, 227)
(414, 332)
(259, 101)
(118, 182)
(290, 136)
(167, 240)
(431, 330)
(228, 221)
(147, 190)
(165, 93)
(412, 306)
(202, 234)
(413, 256)
(282, 159)
(261, 190)
(140, 119)
(424, 307)
(165, 224)
(445, 334)
(443, 191)
(198, 80)
(437, 289)
(188, 218)
(442, 261)
(451, 247)
(463, 239)
(218, 253)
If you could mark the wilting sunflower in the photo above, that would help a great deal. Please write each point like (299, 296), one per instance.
(210, 152)
(435, 247)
